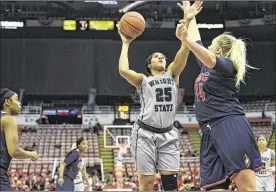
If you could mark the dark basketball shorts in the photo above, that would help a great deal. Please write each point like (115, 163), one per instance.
(4, 181)
(227, 147)
(68, 185)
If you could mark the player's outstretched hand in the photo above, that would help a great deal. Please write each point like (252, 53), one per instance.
(34, 156)
(123, 37)
(190, 11)
(181, 32)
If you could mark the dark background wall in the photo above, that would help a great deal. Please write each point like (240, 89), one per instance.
(71, 66)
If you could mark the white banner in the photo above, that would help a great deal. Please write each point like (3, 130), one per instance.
(27, 119)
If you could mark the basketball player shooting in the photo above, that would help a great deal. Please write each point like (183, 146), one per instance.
(228, 151)
(154, 140)
(10, 107)
(264, 178)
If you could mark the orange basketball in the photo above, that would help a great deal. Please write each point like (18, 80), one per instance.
(132, 24)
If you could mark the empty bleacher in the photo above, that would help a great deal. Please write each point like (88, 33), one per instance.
(40, 166)
(56, 141)
(53, 142)
(186, 146)
(254, 105)
(195, 140)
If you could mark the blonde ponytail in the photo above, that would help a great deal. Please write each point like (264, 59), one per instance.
(235, 50)
(238, 56)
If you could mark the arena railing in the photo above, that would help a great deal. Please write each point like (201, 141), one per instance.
(270, 106)
(133, 110)
(98, 110)
(185, 159)
(31, 110)
(185, 109)
(62, 126)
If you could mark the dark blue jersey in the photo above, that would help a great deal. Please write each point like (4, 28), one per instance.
(73, 164)
(216, 95)
(5, 158)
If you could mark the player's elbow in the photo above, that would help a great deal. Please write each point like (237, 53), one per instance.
(15, 152)
(123, 72)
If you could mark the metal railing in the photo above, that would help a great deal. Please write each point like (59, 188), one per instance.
(183, 159)
(133, 110)
(270, 106)
(62, 126)
(185, 109)
(31, 110)
(98, 110)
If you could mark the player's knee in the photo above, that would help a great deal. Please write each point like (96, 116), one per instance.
(169, 182)
(146, 182)
(245, 180)
(146, 187)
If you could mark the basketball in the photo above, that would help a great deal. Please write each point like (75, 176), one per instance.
(132, 24)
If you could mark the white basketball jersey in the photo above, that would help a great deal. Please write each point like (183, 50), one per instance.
(78, 178)
(158, 98)
(267, 157)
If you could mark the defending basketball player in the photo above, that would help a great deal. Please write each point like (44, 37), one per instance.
(228, 151)
(154, 140)
(70, 167)
(119, 167)
(81, 176)
(10, 107)
(264, 178)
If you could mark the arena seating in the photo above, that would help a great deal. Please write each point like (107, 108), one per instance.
(272, 142)
(254, 105)
(271, 106)
(52, 142)
(262, 129)
(187, 149)
(195, 140)
(41, 166)
(57, 141)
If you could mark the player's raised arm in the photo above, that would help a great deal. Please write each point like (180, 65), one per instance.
(131, 76)
(180, 61)
(193, 31)
(11, 134)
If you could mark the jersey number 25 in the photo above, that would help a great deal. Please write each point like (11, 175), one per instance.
(163, 94)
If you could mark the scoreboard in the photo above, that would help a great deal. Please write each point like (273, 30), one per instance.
(123, 112)
(83, 25)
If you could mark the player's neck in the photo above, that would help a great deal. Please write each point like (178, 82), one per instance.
(7, 111)
(157, 73)
(81, 153)
(262, 149)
